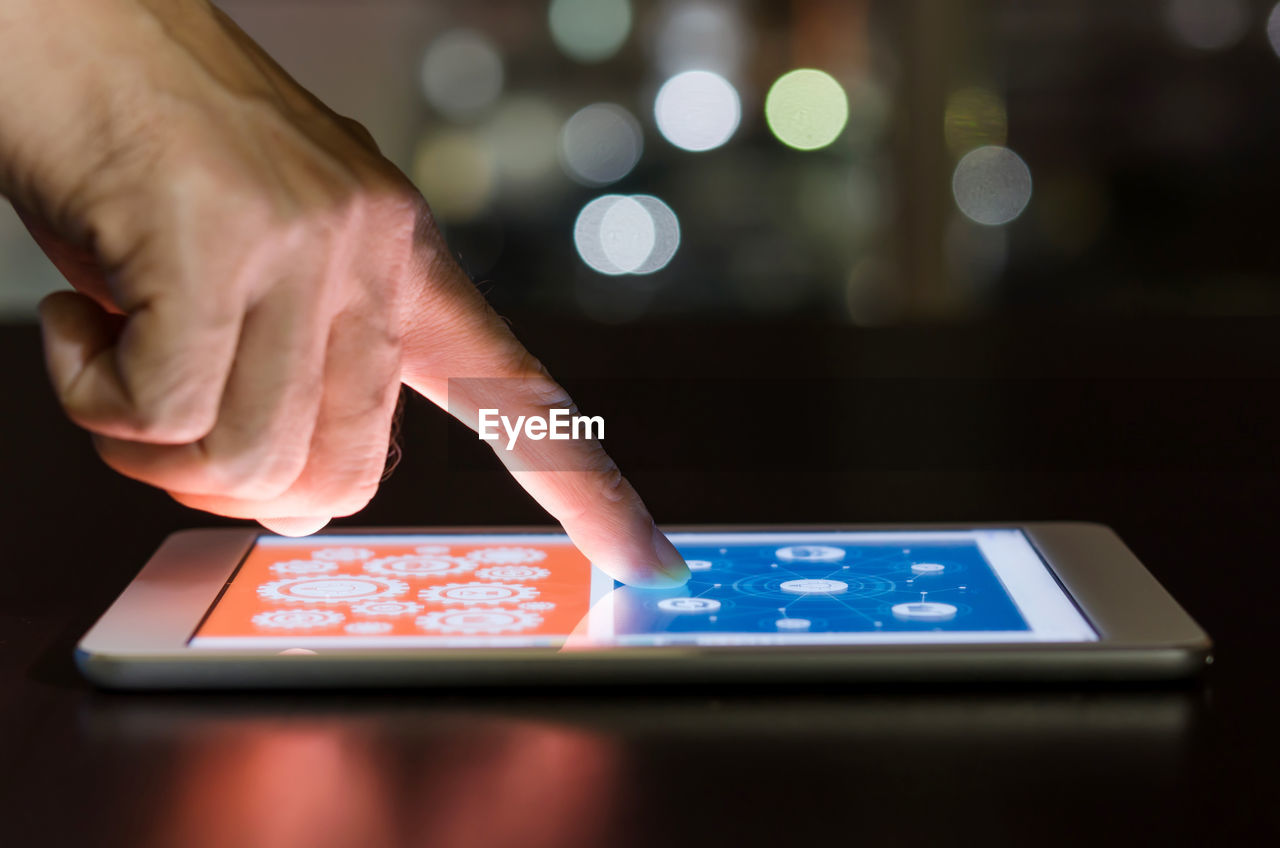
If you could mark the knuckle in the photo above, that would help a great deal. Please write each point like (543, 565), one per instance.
(259, 473)
(609, 483)
(604, 485)
(534, 382)
(250, 461)
(174, 417)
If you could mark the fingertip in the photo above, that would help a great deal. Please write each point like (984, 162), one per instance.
(671, 562)
(659, 566)
(656, 579)
(294, 526)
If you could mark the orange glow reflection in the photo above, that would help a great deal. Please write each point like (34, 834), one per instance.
(446, 781)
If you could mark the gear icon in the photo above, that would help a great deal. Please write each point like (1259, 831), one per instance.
(479, 620)
(332, 589)
(298, 619)
(512, 572)
(478, 593)
(538, 605)
(368, 628)
(303, 566)
(342, 554)
(387, 608)
(432, 550)
(418, 565)
(507, 556)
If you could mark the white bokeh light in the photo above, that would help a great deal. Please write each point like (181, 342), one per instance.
(600, 144)
(1207, 24)
(666, 234)
(697, 110)
(1273, 29)
(462, 74)
(991, 185)
(627, 234)
(616, 234)
(589, 30)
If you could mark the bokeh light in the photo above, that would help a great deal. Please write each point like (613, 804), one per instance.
(1207, 24)
(455, 173)
(806, 109)
(1273, 29)
(523, 138)
(589, 30)
(616, 234)
(462, 74)
(992, 185)
(974, 117)
(666, 234)
(701, 35)
(600, 144)
(697, 110)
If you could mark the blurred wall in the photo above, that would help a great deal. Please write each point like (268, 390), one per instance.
(988, 156)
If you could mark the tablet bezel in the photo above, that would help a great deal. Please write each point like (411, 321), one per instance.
(141, 641)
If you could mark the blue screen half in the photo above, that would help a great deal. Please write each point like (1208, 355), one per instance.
(908, 586)
(828, 588)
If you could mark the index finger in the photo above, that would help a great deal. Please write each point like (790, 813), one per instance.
(460, 355)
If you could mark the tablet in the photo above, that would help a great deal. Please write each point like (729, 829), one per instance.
(460, 606)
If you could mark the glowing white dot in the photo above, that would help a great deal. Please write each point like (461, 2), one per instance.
(618, 235)
(666, 234)
(814, 586)
(992, 185)
(589, 30)
(586, 235)
(627, 234)
(1207, 24)
(697, 110)
(461, 74)
(600, 144)
(1273, 29)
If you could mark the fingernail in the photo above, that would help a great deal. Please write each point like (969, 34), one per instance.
(669, 559)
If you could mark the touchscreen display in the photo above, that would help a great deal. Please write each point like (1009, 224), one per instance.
(537, 591)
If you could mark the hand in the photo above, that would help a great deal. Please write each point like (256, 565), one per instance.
(254, 281)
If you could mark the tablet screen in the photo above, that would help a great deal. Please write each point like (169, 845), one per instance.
(747, 588)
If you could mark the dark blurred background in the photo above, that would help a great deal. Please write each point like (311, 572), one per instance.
(936, 161)
(998, 260)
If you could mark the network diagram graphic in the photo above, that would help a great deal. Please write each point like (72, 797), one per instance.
(493, 595)
(851, 588)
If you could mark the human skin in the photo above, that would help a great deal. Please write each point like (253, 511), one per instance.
(253, 281)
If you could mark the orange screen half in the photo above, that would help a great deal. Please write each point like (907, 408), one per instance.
(420, 590)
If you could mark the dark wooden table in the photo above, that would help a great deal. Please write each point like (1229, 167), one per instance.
(1165, 429)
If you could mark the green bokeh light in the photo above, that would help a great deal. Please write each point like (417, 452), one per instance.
(589, 30)
(806, 109)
